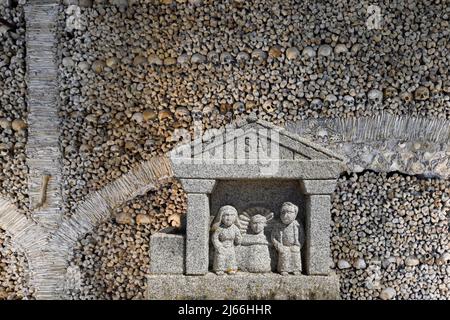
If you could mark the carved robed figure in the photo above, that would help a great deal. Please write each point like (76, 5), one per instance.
(226, 235)
(286, 238)
(254, 252)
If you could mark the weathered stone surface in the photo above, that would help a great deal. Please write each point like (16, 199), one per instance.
(286, 169)
(167, 252)
(318, 186)
(198, 185)
(242, 286)
(242, 152)
(318, 220)
(245, 194)
(197, 234)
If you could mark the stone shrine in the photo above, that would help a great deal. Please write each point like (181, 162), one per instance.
(257, 222)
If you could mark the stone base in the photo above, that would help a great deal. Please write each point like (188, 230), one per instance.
(242, 286)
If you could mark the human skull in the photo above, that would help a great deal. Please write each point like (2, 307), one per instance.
(406, 97)
(228, 116)
(309, 52)
(390, 92)
(292, 53)
(349, 102)
(340, 48)
(259, 56)
(242, 57)
(149, 144)
(182, 114)
(226, 58)
(268, 107)
(183, 58)
(71, 151)
(225, 107)
(207, 112)
(198, 58)
(422, 93)
(360, 100)
(249, 106)
(238, 108)
(316, 104)
(330, 101)
(375, 98)
(213, 57)
(301, 105)
(165, 115)
(197, 114)
(324, 51)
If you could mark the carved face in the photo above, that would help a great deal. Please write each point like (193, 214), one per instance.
(288, 215)
(228, 218)
(257, 224)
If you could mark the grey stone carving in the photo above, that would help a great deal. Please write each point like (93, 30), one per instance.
(286, 240)
(253, 255)
(229, 222)
(226, 235)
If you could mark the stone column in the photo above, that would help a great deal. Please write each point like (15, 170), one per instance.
(318, 220)
(197, 224)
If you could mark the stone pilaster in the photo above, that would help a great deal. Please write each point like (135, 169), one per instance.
(197, 225)
(318, 219)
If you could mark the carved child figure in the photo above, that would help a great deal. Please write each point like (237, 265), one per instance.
(225, 237)
(257, 255)
(286, 240)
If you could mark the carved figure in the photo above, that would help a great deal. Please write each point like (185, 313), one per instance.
(286, 237)
(255, 256)
(226, 235)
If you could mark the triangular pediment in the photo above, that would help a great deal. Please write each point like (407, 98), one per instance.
(254, 139)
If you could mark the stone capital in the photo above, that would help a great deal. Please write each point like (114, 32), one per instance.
(318, 187)
(205, 186)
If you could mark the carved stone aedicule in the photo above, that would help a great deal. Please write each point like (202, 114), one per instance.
(254, 223)
(239, 242)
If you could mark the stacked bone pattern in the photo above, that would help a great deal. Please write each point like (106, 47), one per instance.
(13, 108)
(13, 138)
(131, 72)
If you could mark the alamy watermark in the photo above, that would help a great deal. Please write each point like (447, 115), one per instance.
(374, 17)
(259, 147)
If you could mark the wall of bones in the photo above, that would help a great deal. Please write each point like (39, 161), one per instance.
(13, 138)
(131, 72)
